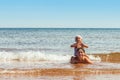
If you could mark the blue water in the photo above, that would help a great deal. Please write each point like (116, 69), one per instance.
(58, 40)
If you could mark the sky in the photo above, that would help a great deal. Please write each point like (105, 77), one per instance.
(60, 13)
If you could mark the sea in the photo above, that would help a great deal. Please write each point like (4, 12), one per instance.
(23, 50)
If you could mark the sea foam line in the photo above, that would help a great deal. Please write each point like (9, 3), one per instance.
(32, 56)
(37, 56)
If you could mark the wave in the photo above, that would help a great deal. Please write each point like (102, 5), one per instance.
(38, 56)
(31, 56)
(111, 57)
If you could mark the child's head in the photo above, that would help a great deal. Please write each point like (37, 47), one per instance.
(80, 50)
(78, 38)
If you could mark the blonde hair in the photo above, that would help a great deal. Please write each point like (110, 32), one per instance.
(79, 36)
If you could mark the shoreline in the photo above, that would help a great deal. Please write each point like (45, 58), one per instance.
(59, 71)
(61, 74)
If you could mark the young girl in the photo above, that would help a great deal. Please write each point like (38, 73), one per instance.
(78, 44)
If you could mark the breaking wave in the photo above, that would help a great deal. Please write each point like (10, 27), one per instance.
(37, 56)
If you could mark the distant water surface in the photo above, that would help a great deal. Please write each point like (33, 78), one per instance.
(58, 40)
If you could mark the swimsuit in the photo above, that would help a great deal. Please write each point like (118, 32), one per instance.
(75, 51)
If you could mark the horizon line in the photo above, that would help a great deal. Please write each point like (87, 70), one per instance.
(63, 27)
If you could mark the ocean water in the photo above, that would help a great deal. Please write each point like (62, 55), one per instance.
(37, 44)
(32, 53)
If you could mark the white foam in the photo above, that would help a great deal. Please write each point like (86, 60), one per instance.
(38, 56)
(32, 56)
(93, 58)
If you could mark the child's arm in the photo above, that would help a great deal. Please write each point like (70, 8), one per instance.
(73, 45)
(84, 45)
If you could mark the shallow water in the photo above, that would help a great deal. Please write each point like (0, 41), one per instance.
(53, 70)
(61, 76)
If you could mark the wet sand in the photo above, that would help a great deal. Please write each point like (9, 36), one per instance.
(58, 72)
(75, 73)
(74, 77)
(61, 74)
